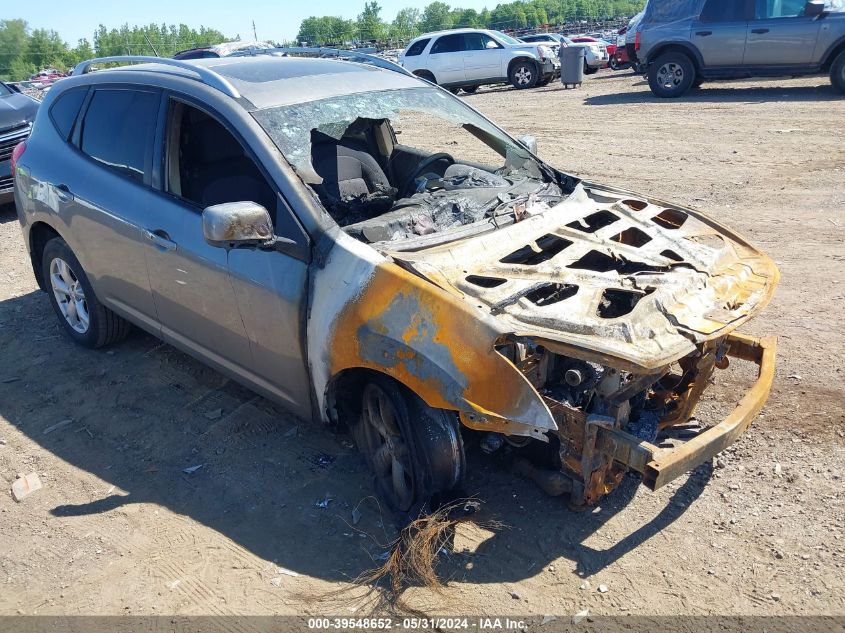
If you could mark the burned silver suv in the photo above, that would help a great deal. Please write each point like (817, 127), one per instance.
(363, 247)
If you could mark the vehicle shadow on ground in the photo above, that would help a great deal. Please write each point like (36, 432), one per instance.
(8, 213)
(283, 489)
(725, 93)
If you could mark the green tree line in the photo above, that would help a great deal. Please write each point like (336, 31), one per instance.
(410, 22)
(24, 51)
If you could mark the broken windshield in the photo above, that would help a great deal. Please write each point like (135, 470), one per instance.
(396, 164)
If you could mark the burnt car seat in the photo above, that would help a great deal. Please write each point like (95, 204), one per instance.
(354, 184)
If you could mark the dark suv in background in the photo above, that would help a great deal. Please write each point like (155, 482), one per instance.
(682, 44)
(17, 112)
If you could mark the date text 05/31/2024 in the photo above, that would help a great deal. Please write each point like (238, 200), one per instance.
(433, 623)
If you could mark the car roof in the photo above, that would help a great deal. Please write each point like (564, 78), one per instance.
(452, 32)
(266, 81)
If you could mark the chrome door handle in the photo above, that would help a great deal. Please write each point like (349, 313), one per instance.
(161, 239)
(64, 193)
(704, 33)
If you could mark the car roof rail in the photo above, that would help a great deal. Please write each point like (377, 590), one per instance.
(206, 75)
(338, 53)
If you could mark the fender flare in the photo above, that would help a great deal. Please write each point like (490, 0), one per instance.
(832, 52)
(684, 47)
(367, 312)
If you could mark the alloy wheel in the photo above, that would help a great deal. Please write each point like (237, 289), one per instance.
(670, 75)
(388, 452)
(69, 294)
(523, 75)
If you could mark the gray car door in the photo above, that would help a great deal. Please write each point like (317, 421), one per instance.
(780, 34)
(238, 310)
(719, 33)
(105, 194)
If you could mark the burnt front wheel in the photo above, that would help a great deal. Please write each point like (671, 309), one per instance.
(414, 451)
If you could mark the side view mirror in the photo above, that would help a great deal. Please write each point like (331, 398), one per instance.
(814, 8)
(237, 225)
(528, 142)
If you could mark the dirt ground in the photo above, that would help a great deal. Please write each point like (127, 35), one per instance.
(119, 529)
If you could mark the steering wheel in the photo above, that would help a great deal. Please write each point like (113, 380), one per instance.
(424, 164)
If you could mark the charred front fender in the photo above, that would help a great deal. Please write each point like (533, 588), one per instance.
(368, 312)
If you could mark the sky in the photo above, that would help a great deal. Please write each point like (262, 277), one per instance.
(274, 19)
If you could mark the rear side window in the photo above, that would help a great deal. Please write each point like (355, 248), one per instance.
(668, 10)
(118, 129)
(447, 44)
(724, 11)
(417, 47)
(64, 110)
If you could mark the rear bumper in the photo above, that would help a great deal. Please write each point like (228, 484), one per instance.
(661, 466)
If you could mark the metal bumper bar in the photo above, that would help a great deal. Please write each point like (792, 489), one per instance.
(660, 466)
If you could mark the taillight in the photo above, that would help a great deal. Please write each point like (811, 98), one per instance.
(20, 148)
(637, 41)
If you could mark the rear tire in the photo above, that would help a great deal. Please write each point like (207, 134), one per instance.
(589, 70)
(415, 452)
(671, 75)
(84, 318)
(613, 64)
(523, 75)
(837, 72)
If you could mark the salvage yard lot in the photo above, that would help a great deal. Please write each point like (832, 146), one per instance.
(265, 526)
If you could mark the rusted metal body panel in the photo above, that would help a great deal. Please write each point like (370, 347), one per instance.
(381, 317)
(612, 285)
(566, 274)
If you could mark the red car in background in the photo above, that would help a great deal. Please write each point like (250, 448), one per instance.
(47, 76)
(588, 39)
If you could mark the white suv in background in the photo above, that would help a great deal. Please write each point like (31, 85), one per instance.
(468, 58)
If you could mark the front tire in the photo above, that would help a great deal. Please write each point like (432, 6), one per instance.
(671, 75)
(523, 75)
(84, 318)
(837, 72)
(414, 451)
(589, 70)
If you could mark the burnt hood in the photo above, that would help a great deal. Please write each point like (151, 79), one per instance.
(609, 272)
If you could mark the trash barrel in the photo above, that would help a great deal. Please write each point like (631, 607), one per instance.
(571, 65)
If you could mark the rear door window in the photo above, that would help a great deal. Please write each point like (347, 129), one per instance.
(447, 44)
(64, 110)
(118, 129)
(725, 11)
(417, 47)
